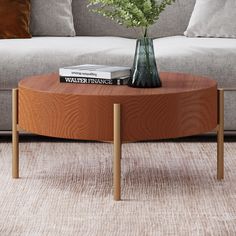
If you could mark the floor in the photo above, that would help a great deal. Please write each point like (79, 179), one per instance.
(168, 188)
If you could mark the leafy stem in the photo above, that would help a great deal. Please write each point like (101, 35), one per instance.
(131, 13)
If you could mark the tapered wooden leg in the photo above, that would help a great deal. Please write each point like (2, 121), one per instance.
(220, 136)
(15, 135)
(117, 152)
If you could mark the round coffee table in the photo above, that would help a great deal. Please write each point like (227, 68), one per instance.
(185, 105)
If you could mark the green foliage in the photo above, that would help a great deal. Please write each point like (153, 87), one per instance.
(131, 13)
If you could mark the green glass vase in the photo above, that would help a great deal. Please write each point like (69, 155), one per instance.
(144, 71)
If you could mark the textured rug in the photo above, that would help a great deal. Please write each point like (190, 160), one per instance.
(168, 188)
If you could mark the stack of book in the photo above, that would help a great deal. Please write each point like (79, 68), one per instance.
(95, 74)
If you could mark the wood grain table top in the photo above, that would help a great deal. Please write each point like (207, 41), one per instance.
(172, 83)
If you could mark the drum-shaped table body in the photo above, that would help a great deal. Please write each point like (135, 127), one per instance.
(185, 105)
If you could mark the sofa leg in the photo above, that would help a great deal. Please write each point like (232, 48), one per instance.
(117, 152)
(15, 135)
(220, 136)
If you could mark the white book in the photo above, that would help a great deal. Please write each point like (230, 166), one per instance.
(95, 71)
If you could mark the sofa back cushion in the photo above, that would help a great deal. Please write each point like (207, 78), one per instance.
(52, 18)
(213, 18)
(14, 22)
(173, 21)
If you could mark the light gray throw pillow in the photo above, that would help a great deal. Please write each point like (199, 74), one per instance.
(213, 18)
(52, 18)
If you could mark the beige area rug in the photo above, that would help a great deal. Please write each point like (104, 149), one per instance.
(167, 189)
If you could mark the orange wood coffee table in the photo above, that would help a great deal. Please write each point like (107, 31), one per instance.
(185, 105)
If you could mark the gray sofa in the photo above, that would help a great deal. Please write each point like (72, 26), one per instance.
(101, 41)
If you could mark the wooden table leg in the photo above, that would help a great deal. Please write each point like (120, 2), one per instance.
(15, 135)
(220, 136)
(117, 152)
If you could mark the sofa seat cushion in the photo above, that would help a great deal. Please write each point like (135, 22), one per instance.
(204, 56)
(211, 57)
(20, 58)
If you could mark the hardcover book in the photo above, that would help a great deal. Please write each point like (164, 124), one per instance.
(78, 80)
(95, 71)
